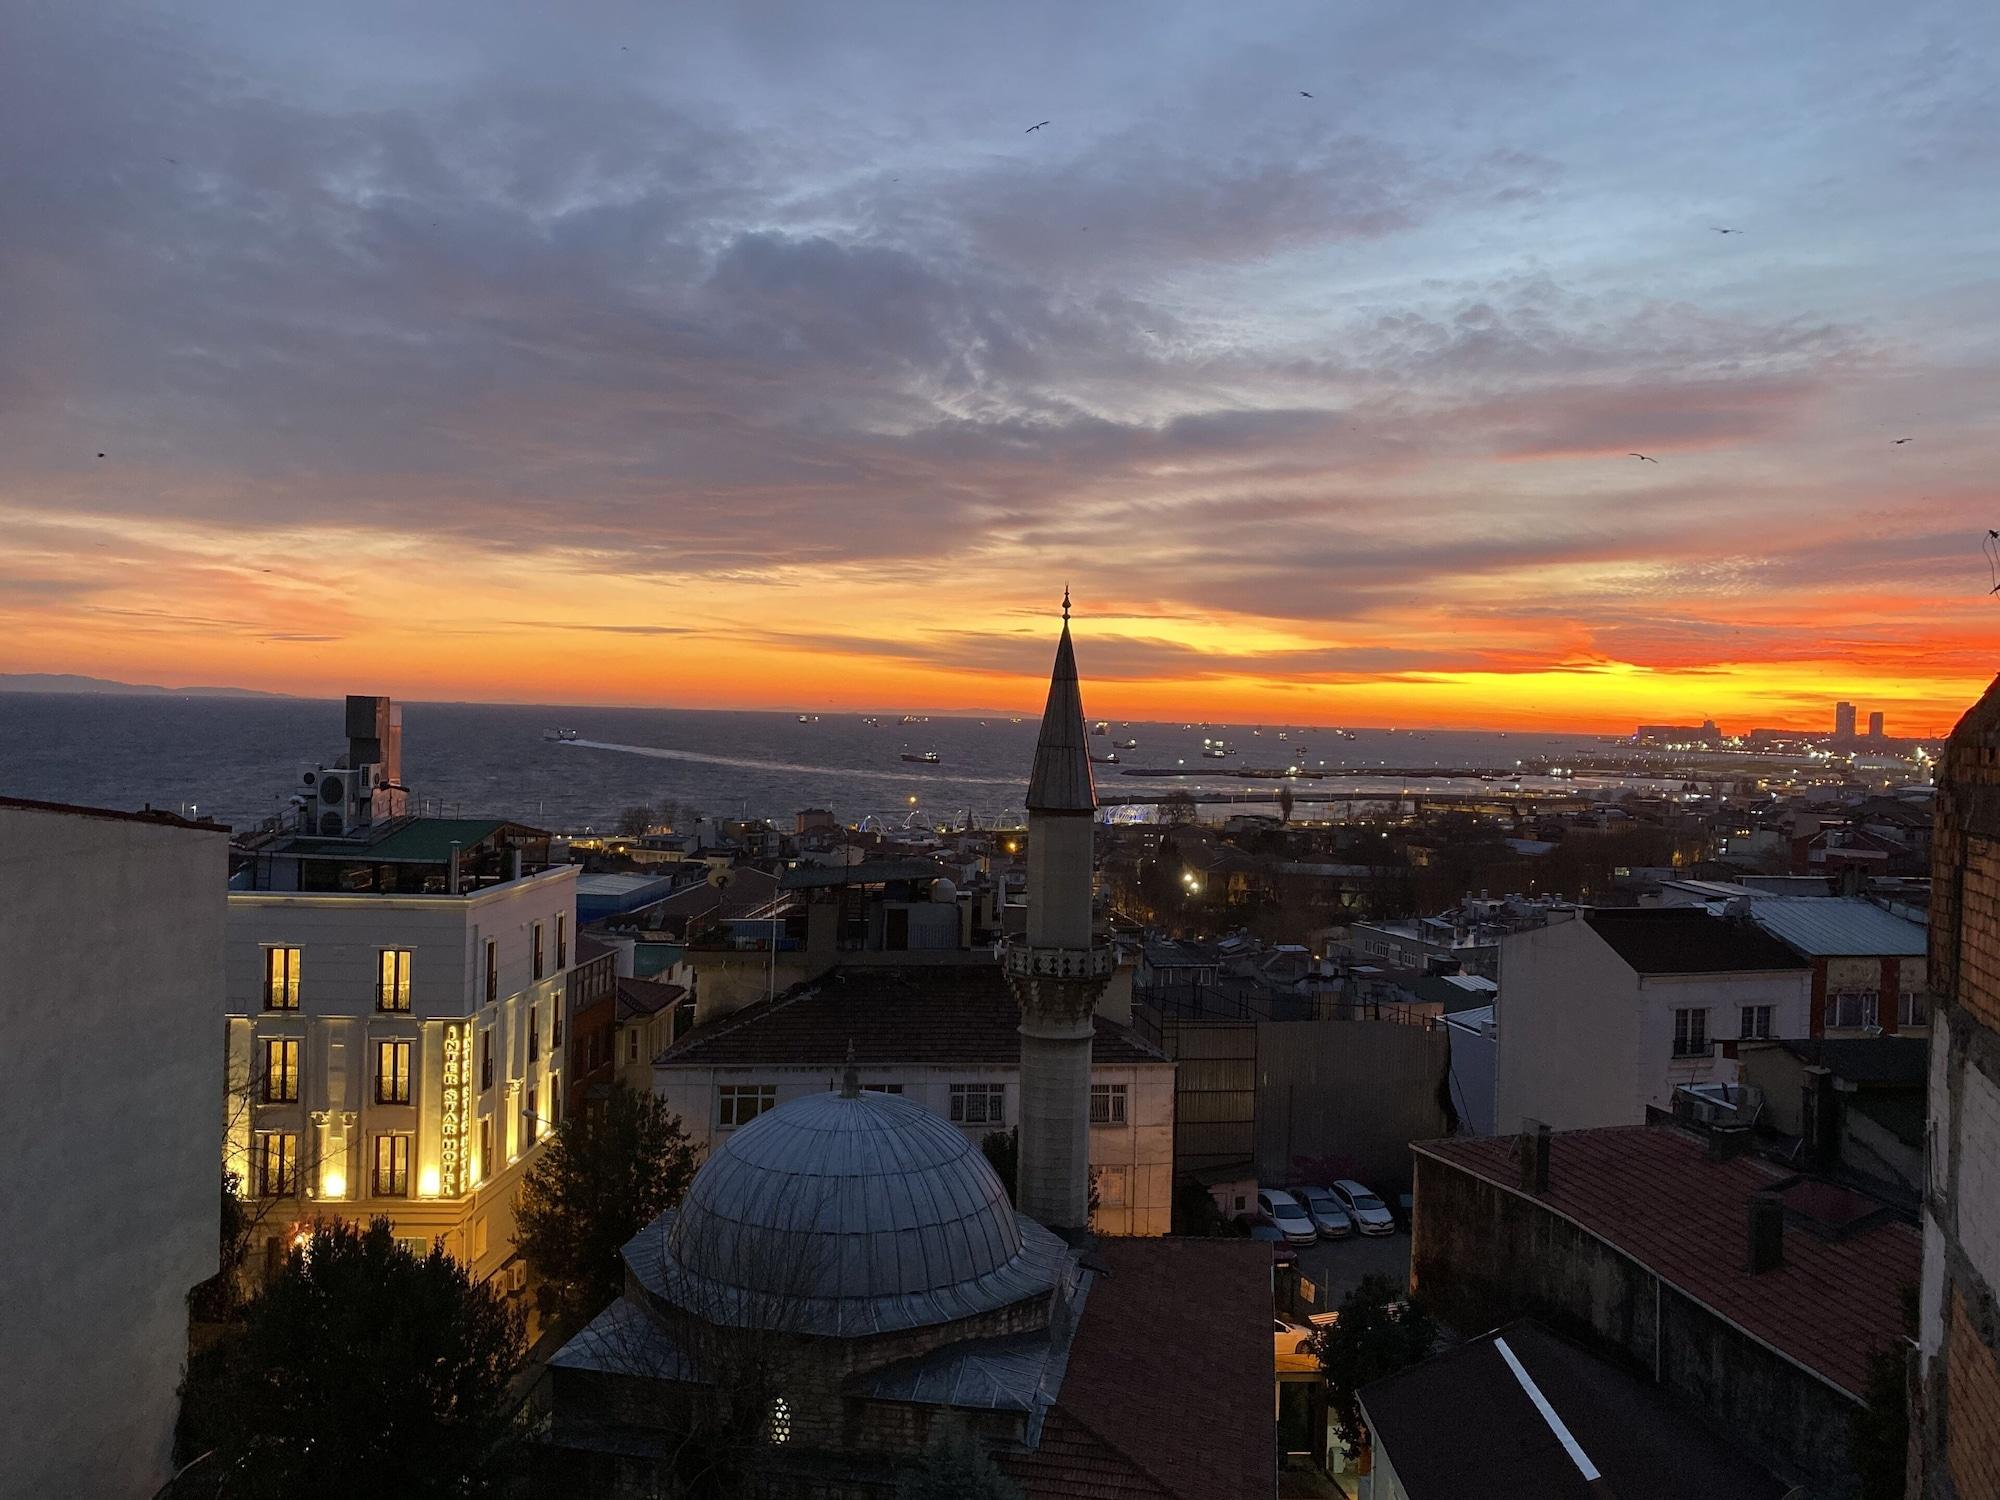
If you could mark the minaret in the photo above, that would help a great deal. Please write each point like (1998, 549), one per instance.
(1057, 972)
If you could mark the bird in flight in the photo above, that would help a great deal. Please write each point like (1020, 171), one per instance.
(1645, 457)
(1720, 230)
(1899, 442)
(100, 455)
(1992, 546)
(1304, 95)
(1033, 128)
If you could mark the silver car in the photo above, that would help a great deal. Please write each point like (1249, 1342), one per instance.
(1279, 1209)
(1325, 1210)
(1370, 1214)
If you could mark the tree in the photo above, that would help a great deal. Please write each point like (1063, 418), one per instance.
(218, 1298)
(361, 1369)
(605, 1174)
(1378, 1332)
(955, 1466)
(636, 821)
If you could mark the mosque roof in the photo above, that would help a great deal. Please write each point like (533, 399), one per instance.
(1061, 779)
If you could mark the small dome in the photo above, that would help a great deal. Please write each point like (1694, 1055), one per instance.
(943, 891)
(848, 1216)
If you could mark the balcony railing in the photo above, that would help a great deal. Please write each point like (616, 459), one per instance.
(1060, 963)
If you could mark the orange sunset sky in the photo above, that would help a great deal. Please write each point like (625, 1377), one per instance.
(618, 354)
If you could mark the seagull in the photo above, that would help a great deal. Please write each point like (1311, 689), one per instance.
(1720, 230)
(1033, 128)
(1304, 95)
(100, 455)
(1645, 457)
(1899, 442)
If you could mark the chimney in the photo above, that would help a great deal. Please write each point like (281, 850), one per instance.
(1819, 1117)
(1534, 1156)
(1767, 1232)
(514, 863)
(451, 870)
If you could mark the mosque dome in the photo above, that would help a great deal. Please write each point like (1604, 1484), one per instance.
(943, 890)
(849, 1214)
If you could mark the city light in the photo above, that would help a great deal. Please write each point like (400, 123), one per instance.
(333, 1183)
(427, 1183)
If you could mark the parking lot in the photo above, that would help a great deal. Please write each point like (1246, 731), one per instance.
(1337, 1266)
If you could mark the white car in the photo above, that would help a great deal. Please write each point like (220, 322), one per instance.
(1283, 1211)
(1289, 1338)
(1325, 1210)
(1370, 1214)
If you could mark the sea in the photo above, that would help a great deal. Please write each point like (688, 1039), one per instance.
(236, 760)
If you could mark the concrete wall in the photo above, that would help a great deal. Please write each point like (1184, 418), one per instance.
(1141, 1150)
(1569, 1031)
(111, 940)
(1475, 1067)
(1354, 1091)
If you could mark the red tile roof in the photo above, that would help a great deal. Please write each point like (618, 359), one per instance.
(951, 1015)
(646, 997)
(1652, 1193)
(1170, 1371)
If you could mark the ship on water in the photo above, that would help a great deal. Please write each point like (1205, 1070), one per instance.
(560, 735)
(924, 758)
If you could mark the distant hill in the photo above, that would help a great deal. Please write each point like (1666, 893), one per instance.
(69, 682)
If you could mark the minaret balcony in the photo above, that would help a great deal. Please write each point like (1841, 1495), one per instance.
(1097, 962)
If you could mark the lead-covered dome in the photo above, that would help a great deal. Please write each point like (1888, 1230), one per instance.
(851, 1214)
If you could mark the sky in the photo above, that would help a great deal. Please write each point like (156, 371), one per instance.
(760, 355)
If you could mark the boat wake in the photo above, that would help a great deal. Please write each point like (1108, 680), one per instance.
(745, 763)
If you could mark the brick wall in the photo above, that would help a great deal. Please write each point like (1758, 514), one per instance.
(1972, 1433)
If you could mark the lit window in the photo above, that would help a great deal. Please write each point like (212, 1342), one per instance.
(392, 1072)
(779, 1429)
(1107, 1104)
(1756, 1023)
(281, 979)
(740, 1103)
(392, 980)
(1913, 1008)
(392, 1166)
(281, 1070)
(1691, 1033)
(979, 1103)
(277, 1160)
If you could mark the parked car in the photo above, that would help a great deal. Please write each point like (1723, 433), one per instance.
(1328, 1217)
(1281, 1209)
(1282, 1254)
(1370, 1214)
(1289, 1338)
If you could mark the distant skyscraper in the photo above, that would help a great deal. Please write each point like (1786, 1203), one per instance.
(1875, 725)
(1843, 721)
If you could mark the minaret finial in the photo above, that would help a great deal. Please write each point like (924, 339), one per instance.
(850, 1082)
(1065, 604)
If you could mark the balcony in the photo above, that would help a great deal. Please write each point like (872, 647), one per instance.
(1097, 962)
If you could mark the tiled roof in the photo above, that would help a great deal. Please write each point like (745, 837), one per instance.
(953, 1015)
(1170, 1373)
(1839, 926)
(646, 997)
(1502, 1447)
(1687, 940)
(1652, 1193)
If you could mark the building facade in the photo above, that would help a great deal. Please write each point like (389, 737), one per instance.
(111, 941)
(399, 1055)
(1956, 1421)
(1601, 1018)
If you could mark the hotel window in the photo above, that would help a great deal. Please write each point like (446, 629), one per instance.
(740, 1103)
(485, 1148)
(632, 1044)
(392, 980)
(538, 950)
(534, 1035)
(392, 1166)
(281, 979)
(1913, 1008)
(1756, 1023)
(281, 1070)
(1107, 1104)
(562, 941)
(1691, 1033)
(492, 971)
(555, 1101)
(277, 1162)
(1850, 1009)
(979, 1103)
(486, 1058)
(392, 1072)
(555, 1027)
(530, 1121)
